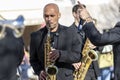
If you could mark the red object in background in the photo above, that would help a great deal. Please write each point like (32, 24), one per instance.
(42, 24)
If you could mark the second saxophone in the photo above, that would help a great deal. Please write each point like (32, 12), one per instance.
(89, 55)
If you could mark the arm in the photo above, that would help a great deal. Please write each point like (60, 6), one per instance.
(98, 39)
(37, 54)
(20, 50)
(35, 63)
(73, 45)
(93, 34)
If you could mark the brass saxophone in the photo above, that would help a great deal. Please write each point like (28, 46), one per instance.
(50, 68)
(89, 55)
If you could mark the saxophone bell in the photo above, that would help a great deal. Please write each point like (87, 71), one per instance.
(93, 55)
(52, 70)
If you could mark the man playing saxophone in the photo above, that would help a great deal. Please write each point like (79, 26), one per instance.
(93, 71)
(66, 46)
(111, 37)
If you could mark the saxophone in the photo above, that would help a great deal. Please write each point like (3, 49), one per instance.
(89, 55)
(50, 68)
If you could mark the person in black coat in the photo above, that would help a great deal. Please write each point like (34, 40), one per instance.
(111, 37)
(11, 55)
(67, 46)
(94, 68)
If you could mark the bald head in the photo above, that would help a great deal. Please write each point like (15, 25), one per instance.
(51, 15)
(51, 6)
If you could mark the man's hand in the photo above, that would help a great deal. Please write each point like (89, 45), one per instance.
(84, 14)
(42, 75)
(54, 54)
(77, 65)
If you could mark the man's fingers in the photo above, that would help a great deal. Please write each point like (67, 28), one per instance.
(42, 75)
(81, 5)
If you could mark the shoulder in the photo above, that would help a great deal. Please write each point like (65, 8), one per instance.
(66, 29)
(72, 25)
(63, 27)
(117, 24)
(38, 33)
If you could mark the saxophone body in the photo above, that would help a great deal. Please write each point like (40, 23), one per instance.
(89, 55)
(50, 68)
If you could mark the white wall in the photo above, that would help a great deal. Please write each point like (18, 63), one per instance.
(105, 11)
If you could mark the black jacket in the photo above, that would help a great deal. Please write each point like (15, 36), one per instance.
(66, 42)
(11, 55)
(81, 33)
(111, 37)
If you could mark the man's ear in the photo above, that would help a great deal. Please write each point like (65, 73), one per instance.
(74, 14)
(59, 15)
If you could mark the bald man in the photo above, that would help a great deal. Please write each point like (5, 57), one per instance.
(66, 46)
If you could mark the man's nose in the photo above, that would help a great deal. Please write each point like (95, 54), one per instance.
(49, 18)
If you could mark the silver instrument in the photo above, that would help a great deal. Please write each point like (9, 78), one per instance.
(16, 25)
